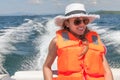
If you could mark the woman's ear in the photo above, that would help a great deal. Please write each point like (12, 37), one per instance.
(66, 23)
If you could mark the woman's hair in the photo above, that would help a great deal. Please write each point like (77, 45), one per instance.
(64, 26)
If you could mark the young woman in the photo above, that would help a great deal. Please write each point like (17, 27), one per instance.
(80, 52)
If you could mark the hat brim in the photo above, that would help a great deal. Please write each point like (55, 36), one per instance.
(60, 19)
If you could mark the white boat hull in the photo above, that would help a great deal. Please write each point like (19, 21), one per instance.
(38, 75)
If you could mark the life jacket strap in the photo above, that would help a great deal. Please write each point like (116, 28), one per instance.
(95, 76)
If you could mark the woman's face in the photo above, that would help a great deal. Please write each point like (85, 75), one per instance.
(77, 25)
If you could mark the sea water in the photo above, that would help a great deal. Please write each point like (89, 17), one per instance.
(24, 40)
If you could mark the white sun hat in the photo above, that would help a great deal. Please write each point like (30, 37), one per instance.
(74, 10)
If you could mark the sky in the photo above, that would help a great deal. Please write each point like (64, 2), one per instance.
(42, 7)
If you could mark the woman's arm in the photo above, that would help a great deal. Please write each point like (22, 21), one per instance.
(47, 72)
(108, 72)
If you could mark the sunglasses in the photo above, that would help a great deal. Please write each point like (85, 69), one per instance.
(79, 21)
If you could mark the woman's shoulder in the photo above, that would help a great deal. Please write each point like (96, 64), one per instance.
(54, 40)
(52, 44)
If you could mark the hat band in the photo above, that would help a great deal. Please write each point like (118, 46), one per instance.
(75, 12)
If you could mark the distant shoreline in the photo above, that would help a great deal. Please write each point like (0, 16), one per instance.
(32, 14)
(106, 12)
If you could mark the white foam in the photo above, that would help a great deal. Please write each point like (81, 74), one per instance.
(45, 40)
(17, 34)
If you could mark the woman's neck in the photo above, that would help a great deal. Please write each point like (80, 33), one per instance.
(81, 37)
(76, 35)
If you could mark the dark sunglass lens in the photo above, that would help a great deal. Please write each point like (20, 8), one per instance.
(86, 21)
(77, 22)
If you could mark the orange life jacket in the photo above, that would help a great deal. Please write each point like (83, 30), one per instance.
(93, 60)
(69, 51)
